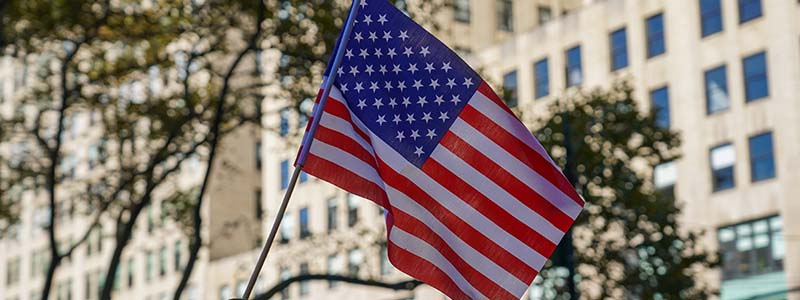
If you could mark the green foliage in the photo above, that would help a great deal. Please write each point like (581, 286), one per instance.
(629, 244)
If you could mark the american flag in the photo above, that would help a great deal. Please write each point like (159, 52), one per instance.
(474, 204)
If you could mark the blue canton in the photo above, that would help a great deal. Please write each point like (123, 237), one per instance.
(401, 82)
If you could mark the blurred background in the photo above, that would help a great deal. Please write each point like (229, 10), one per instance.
(145, 146)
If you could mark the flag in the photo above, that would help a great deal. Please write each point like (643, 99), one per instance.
(474, 204)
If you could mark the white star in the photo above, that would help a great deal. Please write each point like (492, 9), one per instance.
(373, 86)
(415, 134)
(424, 51)
(408, 52)
(434, 83)
(443, 116)
(364, 53)
(412, 68)
(378, 103)
(368, 19)
(417, 84)
(451, 82)
(431, 133)
(446, 67)
(354, 70)
(410, 118)
(358, 37)
(392, 102)
(400, 136)
(359, 87)
(468, 82)
(422, 101)
(397, 119)
(340, 71)
(419, 151)
(349, 53)
(439, 100)
(426, 117)
(381, 120)
(378, 52)
(401, 85)
(388, 86)
(429, 67)
(382, 19)
(387, 35)
(363, 3)
(344, 88)
(369, 70)
(372, 36)
(383, 70)
(404, 35)
(392, 53)
(456, 99)
(362, 103)
(406, 101)
(396, 69)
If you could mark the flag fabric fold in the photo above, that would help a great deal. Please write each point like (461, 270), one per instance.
(474, 204)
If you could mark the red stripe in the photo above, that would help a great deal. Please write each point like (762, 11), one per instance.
(467, 233)
(346, 143)
(424, 271)
(345, 179)
(487, 91)
(519, 149)
(482, 283)
(338, 109)
(507, 181)
(496, 214)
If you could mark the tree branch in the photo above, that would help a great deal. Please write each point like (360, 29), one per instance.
(409, 285)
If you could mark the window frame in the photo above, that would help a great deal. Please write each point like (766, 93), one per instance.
(774, 234)
(570, 65)
(652, 37)
(538, 81)
(715, 13)
(460, 13)
(505, 15)
(715, 187)
(744, 19)
(724, 73)
(658, 111)
(511, 93)
(762, 157)
(615, 51)
(763, 75)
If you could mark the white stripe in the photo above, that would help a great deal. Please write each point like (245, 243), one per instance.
(519, 169)
(509, 122)
(456, 206)
(343, 126)
(347, 161)
(478, 261)
(427, 252)
(497, 194)
(336, 95)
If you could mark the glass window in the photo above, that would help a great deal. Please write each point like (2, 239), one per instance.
(13, 271)
(178, 260)
(284, 276)
(756, 83)
(762, 160)
(354, 260)
(574, 70)
(749, 10)
(258, 155)
(333, 214)
(334, 268)
(284, 126)
(352, 209)
(655, 36)
(149, 268)
(304, 230)
(303, 177)
(304, 288)
(716, 81)
(723, 159)
(286, 228)
(510, 89)
(541, 78)
(224, 292)
(259, 208)
(284, 174)
(545, 14)
(462, 10)
(131, 272)
(660, 101)
(162, 262)
(386, 266)
(619, 49)
(710, 16)
(664, 178)
(505, 15)
(751, 248)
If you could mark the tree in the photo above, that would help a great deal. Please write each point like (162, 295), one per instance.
(408, 285)
(628, 241)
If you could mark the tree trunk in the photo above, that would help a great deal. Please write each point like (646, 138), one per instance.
(122, 240)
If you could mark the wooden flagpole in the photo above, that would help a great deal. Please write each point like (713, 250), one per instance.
(306, 146)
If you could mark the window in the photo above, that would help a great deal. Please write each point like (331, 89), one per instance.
(303, 177)
(284, 126)
(304, 230)
(723, 159)
(619, 49)
(148, 266)
(462, 11)
(386, 266)
(162, 262)
(354, 260)
(541, 78)
(664, 177)
(284, 174)
(749, 10)
(286, 229)
(88, 287)
(352, 209)
(13, 271)
(756, 84)
(258, 155)
(505, 15)
(334, 268)
(752, 248)
(224, 292)
(545, 14)
(259, 207)
(660, 100)
(304, 288)
(655, 36)
(284, 276)
(716, 90)
(710, 17)
(178, 260)
(574, 72)
(131, 271)
(510, 88)
(333, 215)
(762, 159)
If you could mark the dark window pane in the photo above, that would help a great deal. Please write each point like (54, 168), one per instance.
(716, 82)
(749, 10)
(304, 230)
(660, 100)
(258, 155)
(284, 174)
(258, 207)
(304, 285)
(284, 126)
(723, 159)
(710, 16)
(462, 10)
(762, 160)
(751, 248)
(333, 216)
(756, 82)
(574, 70)
(545, 14)
(505, 15)
(541, 78)
(619, 49)
(655, 36)
(510, 89)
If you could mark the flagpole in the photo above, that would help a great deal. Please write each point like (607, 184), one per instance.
(306, 146)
